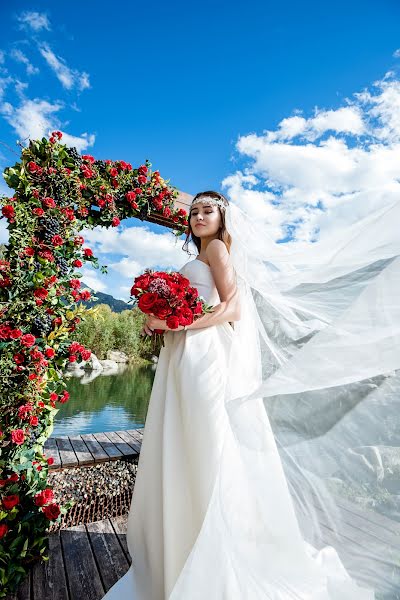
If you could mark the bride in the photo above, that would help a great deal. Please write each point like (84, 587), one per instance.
(228, 505)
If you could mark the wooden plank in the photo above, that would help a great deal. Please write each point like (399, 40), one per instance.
(110, 558)
(67, 454)
(82, 574)
(130, 440)
(135, 434)
(95, 448)
(51, 450)
(356, 524)
(108, 446)
(125, 449)
(82, 452)
(48, 578)
(120, 525)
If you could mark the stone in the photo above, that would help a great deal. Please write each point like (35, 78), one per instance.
(117, 356)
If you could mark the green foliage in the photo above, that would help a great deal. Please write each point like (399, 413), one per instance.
(57, 193)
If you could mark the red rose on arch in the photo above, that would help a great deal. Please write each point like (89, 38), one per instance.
(88, 252)
(52, 511)
(146, 301)
(18, 436)
(28, 340)
(10, 501)
(3, 529)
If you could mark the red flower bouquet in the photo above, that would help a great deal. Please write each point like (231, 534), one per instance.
(170, 297)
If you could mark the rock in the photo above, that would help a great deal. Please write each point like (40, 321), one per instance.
(74, 370)
(109, 367)
(117, 356)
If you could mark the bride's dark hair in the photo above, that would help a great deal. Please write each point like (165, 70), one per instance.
(222, 234)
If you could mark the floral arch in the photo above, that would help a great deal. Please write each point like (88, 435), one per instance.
(57, 192)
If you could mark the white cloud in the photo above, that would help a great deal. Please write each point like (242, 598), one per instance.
(20, 57)
(90, 278)
(396, 53)
(34, 20)
(37, 118)
(69, 78)
(2, 57)
(312, 175)
(4, 83)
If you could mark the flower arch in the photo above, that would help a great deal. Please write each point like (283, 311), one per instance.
(58, 192)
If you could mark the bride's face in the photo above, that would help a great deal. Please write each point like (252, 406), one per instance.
(205, 220)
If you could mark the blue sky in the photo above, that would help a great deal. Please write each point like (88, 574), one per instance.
(283, 107)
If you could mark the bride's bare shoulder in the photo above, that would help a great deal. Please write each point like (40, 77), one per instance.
(216, 249)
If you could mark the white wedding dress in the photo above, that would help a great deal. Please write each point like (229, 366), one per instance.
(211, 515)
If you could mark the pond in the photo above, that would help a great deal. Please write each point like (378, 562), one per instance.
(106, 402)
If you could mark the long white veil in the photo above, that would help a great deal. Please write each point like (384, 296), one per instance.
(322, 326)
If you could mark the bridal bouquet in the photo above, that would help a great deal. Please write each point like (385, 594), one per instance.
(170, 297)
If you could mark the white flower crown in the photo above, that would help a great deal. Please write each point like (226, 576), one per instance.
(209, 200)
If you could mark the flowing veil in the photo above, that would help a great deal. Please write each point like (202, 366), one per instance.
(320, 328)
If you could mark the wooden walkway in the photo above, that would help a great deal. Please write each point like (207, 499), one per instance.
(85, 562)
(91, 448)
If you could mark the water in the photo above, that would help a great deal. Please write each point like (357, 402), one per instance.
(107, 403)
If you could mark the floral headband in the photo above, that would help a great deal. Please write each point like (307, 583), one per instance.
(209, 200)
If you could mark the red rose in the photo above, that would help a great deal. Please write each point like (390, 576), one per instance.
(50, 460)
(28, 340)
(146, 301)
(51, 511)
(41, 293)
(113, 172)
(18, 436)
(72, 358)
(77, 263)
(3, 529)
(8, 211)
(33, 420)
(14, 477)
(19, 358)
(10, 501)
(57, 240)
(142, 179)
(88, 158)
(15, 333)
(85, 295)
(185, 316)
(29, 251)
(172, 322)
(49, 352)
(161, 309)
(49, 202)
(143, 169)
(86, 354)
(75, 284)
(64, 397)
(87, 252)
(167, 212)
(46, 495)
(39, 212)
(32, 167)
(130, 196)
(115, 222)
(198, 308)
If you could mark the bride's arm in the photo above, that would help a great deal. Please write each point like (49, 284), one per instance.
(225, 281)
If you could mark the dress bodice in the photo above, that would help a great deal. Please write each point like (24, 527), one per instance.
(200, 276)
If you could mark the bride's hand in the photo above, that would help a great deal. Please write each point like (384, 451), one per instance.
(152, 323)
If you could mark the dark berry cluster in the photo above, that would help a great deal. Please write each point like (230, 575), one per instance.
(62, 264)
(48, 227)
(41, 325)
(74, 154)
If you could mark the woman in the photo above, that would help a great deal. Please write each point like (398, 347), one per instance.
(216, 512)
